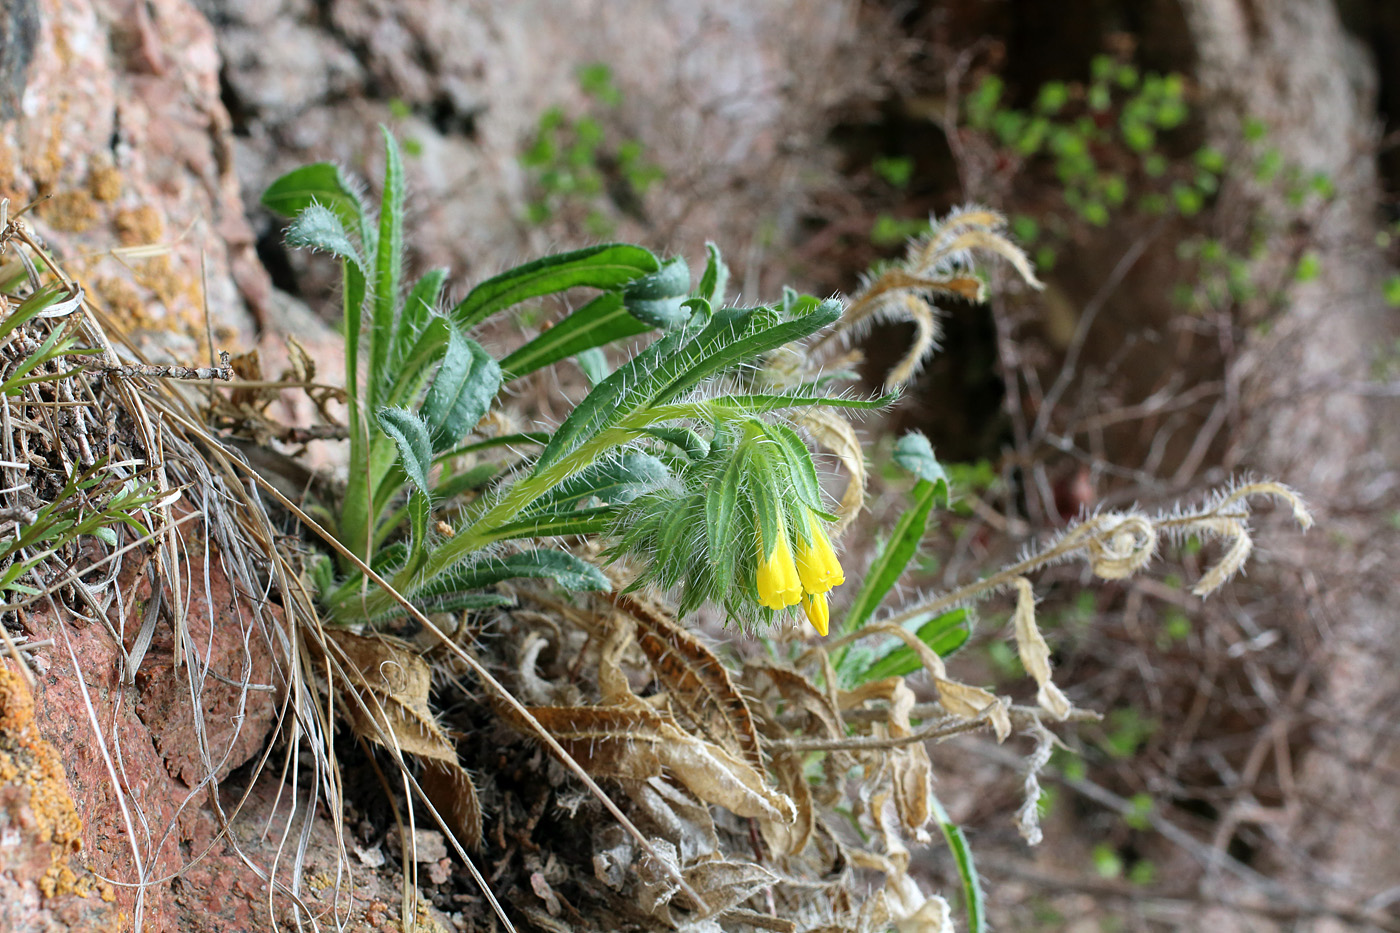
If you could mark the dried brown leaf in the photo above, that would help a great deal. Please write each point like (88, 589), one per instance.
(1035, 653)
(789, 839)
(636, 743)
(822, 718)
(911, 771)
(388, 705)
(697, 684)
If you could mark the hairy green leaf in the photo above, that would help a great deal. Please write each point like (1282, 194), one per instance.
(715, 281)
(466, 382)
(388, 268)
(318, 228)
(616, 480)
(607, 266)
(915, 454)
(658, 299)
(945, 634)
(557, 524)
(410, 434)
(601, 321)
(321, 183)
(570, 572)
(967, 868)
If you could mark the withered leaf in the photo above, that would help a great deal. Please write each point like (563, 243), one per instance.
(697, 684)
(635, 742)
(789, 839)
(911, 772)
(823, 718)
(386, 689)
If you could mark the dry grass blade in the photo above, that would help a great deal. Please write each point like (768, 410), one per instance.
(697, 684)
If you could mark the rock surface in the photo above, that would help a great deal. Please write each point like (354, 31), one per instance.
(119, 130)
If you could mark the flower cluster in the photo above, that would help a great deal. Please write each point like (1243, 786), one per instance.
(782, 582)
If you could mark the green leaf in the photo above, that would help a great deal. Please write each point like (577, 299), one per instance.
(322, 183)
(601, 321)
(915, 454)
(388, 267)
(657, 300)
(799, 462)
(890, 563)
(557, 524)
(466, 382)
(765, 483)
(716, 278)
(967, 869)
(944, 634)
(767, 403)
(616, 480)
(318, 228)
(607, 266)
(410, 434)
(674, 364)
(728, 353)
(418, 310)
(685, 440)
(593, 363)
(721, 500)
(568, 571)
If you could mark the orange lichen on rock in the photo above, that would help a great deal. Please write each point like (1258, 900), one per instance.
(70, 211)
(30, 761)
(104, 181)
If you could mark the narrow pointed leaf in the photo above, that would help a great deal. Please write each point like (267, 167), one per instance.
(607, 266)
(388, 266)
(889, 564)
(418, 309)
(601, 321)
(945, 634)
(570, 572)
(558, 524)
(617, 481)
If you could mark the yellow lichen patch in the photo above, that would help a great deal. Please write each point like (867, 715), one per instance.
(70, 211)
(29, 760)
(104, 181)
(139, 226)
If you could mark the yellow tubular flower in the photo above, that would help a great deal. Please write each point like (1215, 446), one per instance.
(818, 612)
(817, 565)
(778, 584)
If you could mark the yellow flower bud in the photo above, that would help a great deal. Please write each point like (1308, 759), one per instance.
(817, 565)
(818, 612)
(778, 584)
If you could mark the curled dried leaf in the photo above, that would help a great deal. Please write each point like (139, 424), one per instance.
(386, 684)
(638, 743)
(789, 839)
(697, 683)
(1035, 653)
